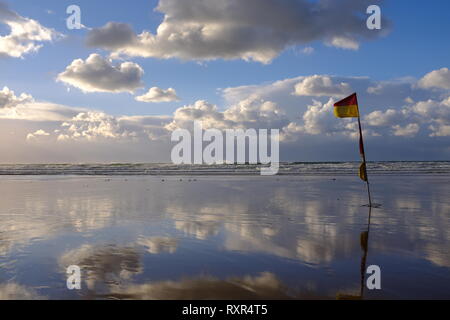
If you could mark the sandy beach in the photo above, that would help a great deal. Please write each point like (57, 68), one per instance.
(218, 237)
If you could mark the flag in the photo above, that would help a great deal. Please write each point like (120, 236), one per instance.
(347, 108)
(363, 172)
(361, 146)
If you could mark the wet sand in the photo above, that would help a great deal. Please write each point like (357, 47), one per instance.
(214, 237)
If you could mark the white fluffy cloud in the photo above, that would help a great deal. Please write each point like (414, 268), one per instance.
(383, 118)
(93, 125)
(441, 130)
(77, 124)
(257, 30)
(320, 86)
(96, 74)
(265, 107)
(25, 36)
(319, 119)
(249, 113)
(37, 133)
(409, 130)
(9, 100)
(41, 131)
(97, 126)
(387, 106)
(436, 79)
(156, 95)
(407, 121)
(388, 111)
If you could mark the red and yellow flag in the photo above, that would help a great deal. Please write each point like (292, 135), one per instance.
(347, 108)
(363, 172)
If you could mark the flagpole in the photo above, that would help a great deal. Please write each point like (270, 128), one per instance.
(363, 154)
(365, 247)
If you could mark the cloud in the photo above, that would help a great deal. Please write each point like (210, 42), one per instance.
(25, 107)
(37, 133)
(25, 36)
(436, 79)
(394, 108)
(319, 118)
(406, 121)
(156, 94)
(398, 109)
(343, 43)
(39, 111)
(248, 113)
(64, 123)
(442, 130)
(409, 130)
(97, 126)
(439, 114)
(97, 74)
(92, 125)
(9, 100)
(268, 106)
(319, 86)
(112, 36)
(257, 30)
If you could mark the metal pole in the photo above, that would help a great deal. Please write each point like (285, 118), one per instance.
(363, 154)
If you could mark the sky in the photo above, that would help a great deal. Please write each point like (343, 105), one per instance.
(115, 90)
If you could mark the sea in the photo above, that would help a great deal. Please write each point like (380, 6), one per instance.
(286, 168)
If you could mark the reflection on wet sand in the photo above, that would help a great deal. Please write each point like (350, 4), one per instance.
(364, 241)
(103, 267)
(263, 286)
(142, 238)
(14, 291)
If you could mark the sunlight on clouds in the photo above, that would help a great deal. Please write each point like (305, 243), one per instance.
(409, 130)
(248, 113)
(256, 30)
(25, 107)
(37, 133)
(319, 86)
(436, 79)
(156, 95)
(96, 74)
(26, 35)
(301, 107)
(8, 99)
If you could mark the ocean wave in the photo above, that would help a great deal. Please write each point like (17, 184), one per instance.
(287, 168)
